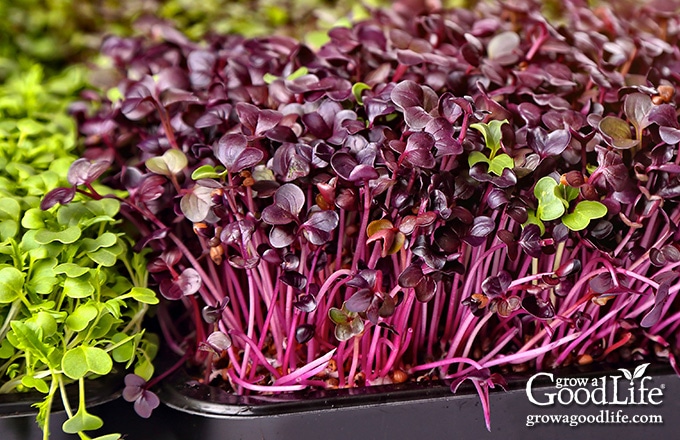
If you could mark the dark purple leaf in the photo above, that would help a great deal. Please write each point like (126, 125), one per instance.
(411, 276)
(318, 227)
(188, 283)
(653, 316)
(289, 164)
(407, 94)
(57, 195)
(158, 234)
(255, 120)
(537, 307)
(360, 301)
(212, 314)
(497, 285)
(418, 152)
(281, 236)
(601, 283)
(568, 268)
(289, 200)
(548, 144)
(305, 303)
(233, 151)
(425, 289)
(482, 227)
(294, 279)
(150, 188)
(304, 333)
(343, 164)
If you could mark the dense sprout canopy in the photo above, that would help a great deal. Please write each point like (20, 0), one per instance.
(456, 184)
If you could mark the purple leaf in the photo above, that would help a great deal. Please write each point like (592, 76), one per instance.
(195, 205)
(407, 94)
(294, 279)
(537, 307)
(281, 236)
(411, 276)
(305, 303)
(146, 403)
(84, 171)
(653, 316)
(318, 227)
(289, 200)
(637, 107)
(425, 289)
(496, 285)
(289, 164)
(481, 228)
(343, 164)
(360, 301)
(150, 188)
(219, 341)
(530, 240)
(304, 333)
(57, 195)
(548, 144)
(233, 151)
(134, 386)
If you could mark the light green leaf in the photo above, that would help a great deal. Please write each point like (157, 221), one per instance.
(476, 157)
(9, 209)
(8, 229)
(78, 361)
(113, 306)
(205, 172)
(302, 71)
(82, 421)
(71, 270)
(109, 437)
(34, 218)
(81, 317)
(358, 90)
(6, 349)
(499, 163)
(106, 207)
(106, 256)
(67, 236)
(583, 213)
(268, 78)
(550, 207)
(144, 295)
(29, 339)
(38, 384)
(144, 369)
(492, 134)
(126, 350)
(45, 321)
(80, 287)
(103, 325)
(11, 284)
(29, 127)
(171, 162)
(105, 240)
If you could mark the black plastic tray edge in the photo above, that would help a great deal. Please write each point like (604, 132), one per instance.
(98, 391)
(182, 393)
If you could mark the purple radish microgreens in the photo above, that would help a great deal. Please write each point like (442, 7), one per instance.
(399, 204)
